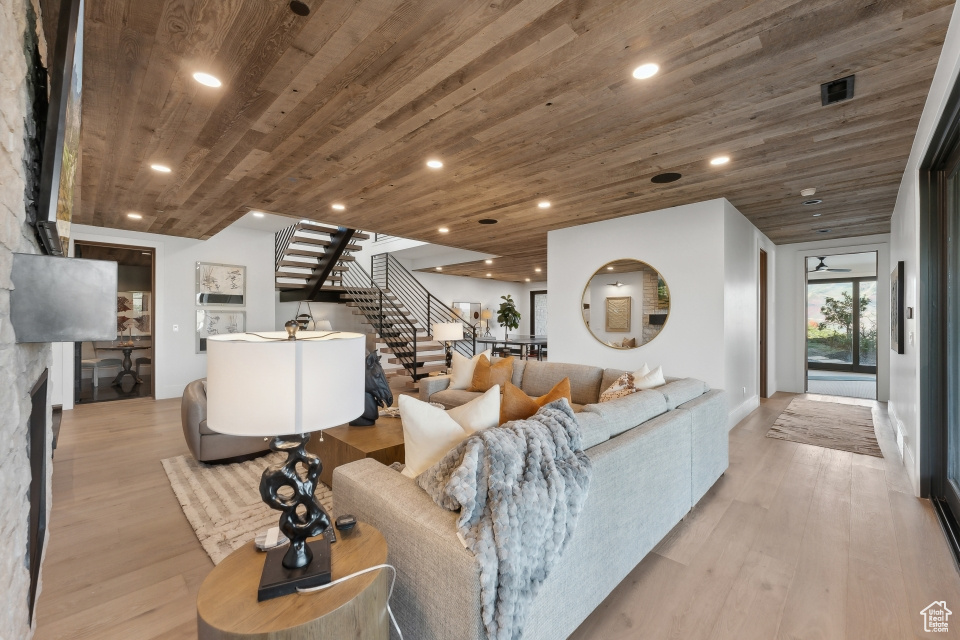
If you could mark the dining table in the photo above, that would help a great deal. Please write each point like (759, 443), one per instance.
(524, 342)
(127, 348)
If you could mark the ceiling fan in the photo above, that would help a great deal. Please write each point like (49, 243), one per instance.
(822, 267)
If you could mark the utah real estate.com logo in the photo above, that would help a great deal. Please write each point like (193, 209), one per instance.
(935, 617)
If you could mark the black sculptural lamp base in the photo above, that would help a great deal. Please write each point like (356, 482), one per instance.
(276, 580)
(282, 487)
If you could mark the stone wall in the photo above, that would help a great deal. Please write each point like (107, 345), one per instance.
(20, 365)
(650, 304)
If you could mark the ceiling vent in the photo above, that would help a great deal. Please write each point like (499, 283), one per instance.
(836, 91)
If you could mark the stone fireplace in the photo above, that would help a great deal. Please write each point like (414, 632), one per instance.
(21, 365)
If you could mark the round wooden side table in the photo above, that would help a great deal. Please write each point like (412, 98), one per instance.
(227, 607)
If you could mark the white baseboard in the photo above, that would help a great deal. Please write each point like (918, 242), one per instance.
(897, 427)
(742, 411)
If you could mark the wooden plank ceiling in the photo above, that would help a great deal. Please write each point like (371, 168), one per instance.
(523, 100)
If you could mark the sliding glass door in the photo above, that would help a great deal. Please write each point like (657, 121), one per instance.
(951, 488)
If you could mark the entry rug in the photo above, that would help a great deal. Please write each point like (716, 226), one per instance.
(222, 501)
(832, 425)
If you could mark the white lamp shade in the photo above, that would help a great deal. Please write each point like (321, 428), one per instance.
(486, 314)
(323, 325)
(266, 385)
(447, 331)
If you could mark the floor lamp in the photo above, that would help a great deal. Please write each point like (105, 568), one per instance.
(283, 387)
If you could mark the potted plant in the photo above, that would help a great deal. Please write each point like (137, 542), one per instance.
(507, 314)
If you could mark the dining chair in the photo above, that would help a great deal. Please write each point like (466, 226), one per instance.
(91, 361)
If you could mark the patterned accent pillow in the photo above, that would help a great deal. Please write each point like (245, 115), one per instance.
(623, 386)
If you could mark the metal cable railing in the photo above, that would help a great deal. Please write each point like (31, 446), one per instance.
(390, 275)
(396, 328)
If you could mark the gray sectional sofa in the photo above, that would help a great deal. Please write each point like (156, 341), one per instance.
(655, 453)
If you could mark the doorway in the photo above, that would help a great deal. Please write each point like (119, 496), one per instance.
(122, 368)
(841, 324)
(763, 324)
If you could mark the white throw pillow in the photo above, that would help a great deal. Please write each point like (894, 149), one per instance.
(461, 371)
(429, 433)
(651, 380)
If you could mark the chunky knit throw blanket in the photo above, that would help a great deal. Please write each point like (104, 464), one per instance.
(519, 488)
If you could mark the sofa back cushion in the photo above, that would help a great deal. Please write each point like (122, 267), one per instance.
(676, 392)
(540, 377)
(629, 411)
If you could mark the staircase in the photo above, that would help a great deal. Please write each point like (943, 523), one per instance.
(314, 263)
(311, 259)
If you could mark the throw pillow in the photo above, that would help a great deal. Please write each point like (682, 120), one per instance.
(487, 375)
(625, 384)
(651, 380)
(629, 343)
(461, 374)
(429, 433)
(517, 405)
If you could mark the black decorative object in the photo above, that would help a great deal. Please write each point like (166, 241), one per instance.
(378, 392)
(302, 516)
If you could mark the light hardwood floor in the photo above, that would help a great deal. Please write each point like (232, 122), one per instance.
(794, 541)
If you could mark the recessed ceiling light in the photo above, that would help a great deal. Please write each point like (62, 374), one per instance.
(824, 230)
(336, 206)
(537, 269)
(609, 268)
(439, 268)
(488, 261)
(443, 230)
(645, 71)
(527, 279)
(162, 168)
(145, 253)
(299, 8)
(134, 216)
(206, 79)
(543, 204)
(257, 214)
(434, 164)
(817, 215)
(489, 275)
(806, 193)
(811, 202)
(487, 221)
(664, 178)
(719, 160)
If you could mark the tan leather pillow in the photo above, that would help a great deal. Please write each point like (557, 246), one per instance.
(629, 342)
(487, 375)
(516, 405)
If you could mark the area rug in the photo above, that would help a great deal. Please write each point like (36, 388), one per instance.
(832, 425)
(222, 501)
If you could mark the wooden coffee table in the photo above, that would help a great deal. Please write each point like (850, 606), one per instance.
(227, 607)
(382, 442)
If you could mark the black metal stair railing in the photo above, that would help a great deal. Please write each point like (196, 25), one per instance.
(283, 239)
(389, 274)
(395, 325)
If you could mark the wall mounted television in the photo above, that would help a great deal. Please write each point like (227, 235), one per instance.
(60, 155)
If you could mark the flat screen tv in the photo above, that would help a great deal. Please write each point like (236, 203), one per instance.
(60, 154)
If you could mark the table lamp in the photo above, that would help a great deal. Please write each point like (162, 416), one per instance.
(447, 333)
(269, 384)
(485, 315)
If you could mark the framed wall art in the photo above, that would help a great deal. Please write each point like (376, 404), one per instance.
(221, 284)
(214, 322)
(618, 314)
(896, 309)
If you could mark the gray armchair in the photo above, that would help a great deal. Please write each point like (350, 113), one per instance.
(205, 444)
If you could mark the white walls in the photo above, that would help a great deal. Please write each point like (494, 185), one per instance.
(904, 405)
(176, 362)
(707, 253)
(486, 292)
(791, 299)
